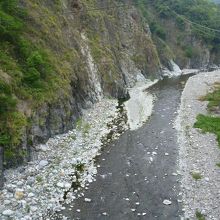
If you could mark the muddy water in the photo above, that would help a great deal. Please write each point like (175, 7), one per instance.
(139, 170)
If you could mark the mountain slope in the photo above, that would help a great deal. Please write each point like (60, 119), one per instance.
(63, 57)
(189, 31)
(58, 57)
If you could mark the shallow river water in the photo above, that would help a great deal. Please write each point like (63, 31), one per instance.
(139, 170)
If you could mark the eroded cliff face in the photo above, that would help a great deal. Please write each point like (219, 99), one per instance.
(97, 49)
(96, 53)
(185, 48)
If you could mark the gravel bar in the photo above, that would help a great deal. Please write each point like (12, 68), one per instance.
(199, 153)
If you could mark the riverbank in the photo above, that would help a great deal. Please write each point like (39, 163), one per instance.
(199, 153)
(64, 167)
(60, 167)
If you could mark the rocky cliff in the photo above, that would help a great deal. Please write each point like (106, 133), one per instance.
(70, 55)
(95, 52)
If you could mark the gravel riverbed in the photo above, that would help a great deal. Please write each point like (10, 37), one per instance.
(62, 165)
(199, 153)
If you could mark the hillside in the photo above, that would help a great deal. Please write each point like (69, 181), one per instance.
(217, 1)
(184, 31)
(59, 57)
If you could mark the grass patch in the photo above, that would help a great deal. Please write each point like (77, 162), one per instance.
(80, 167)
(209, 124)
(39, 179)
(83, 126)
(199, 216)
(213, 97)
(196, 175)
(218, 165)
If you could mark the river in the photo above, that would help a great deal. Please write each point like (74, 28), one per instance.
(139, 171)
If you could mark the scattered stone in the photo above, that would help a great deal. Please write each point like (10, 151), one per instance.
(67, 185)
(19, 194)
(8, 212)
(19, 183)
(30, 180)
(43, 163)
(43, 148)
(30, 195)
(87, 200)
(60, 184)
(7, 202)
(33, 208)
(206, 179)
(167, 202)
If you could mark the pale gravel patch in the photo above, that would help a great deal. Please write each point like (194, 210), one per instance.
(198, 152)
(140, 105)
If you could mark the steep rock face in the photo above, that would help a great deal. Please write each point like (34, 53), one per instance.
(96, 52)
(182, 33)
(182, 46)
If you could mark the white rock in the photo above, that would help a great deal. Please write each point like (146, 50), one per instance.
(43, 147)
(8, 212)
(19, 183)
(67, 185)
(105, 213)
(30, 195)
(43, 163)
(7, 202)
(87, 200)
(60, 184)
(206, 179)
(33, 208)
(167, 202)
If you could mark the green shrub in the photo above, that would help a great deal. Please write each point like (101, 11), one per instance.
(158, 30)
(199, 215)
(28, 74)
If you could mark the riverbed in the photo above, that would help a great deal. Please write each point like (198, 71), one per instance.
(138, 176)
